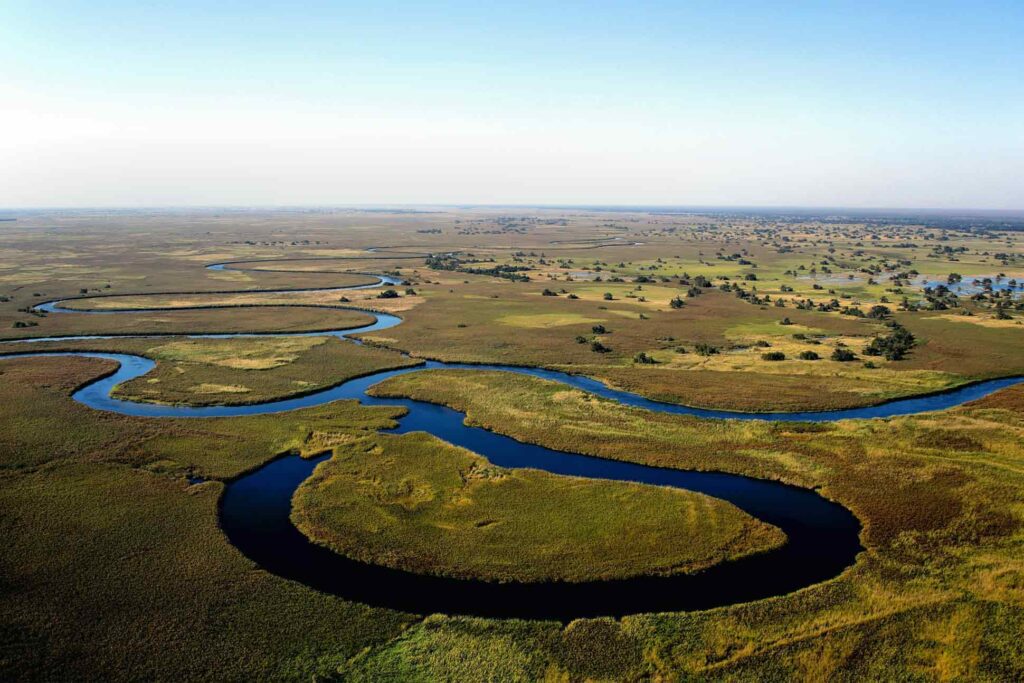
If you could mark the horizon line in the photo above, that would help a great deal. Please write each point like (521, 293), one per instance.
(623, 207)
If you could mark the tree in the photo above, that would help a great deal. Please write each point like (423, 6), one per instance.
(643, 358)
(599, 329)
(879, 312)
(704, 349)
(676, 303)
(598, 347)
(608, 296)
(893, 346)
(843, 355)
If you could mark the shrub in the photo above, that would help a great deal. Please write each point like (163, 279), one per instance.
(598, 347)
(704, 349)
(643, 358)
(773, 355)
(599, 329)
(879, 312)
(388, 294)
(608, 296)
(843, 355)
(809, 355)
(893, 346)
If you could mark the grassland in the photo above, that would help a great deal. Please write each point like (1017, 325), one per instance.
(416, 503)
(237, 371)
(939, 591)
(940, 588)
(114, 568)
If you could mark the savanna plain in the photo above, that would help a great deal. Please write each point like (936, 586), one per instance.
(115, 565)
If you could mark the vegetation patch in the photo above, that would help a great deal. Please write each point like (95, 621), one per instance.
(545, 320)
(250, 354)
(419, 504)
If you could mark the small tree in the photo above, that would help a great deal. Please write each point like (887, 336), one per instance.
(843, 355)
(879, 312)
(773, 356)
(704, 349)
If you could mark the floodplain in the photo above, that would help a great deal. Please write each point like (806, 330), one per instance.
(116, 565)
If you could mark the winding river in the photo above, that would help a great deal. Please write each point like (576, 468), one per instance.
(822, 536)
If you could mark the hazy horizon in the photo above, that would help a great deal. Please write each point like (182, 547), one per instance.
(854, 106)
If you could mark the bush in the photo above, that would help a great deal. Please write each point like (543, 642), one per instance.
(893, 346)
(643, 358)
(785, 321)
(773, 355)
(677, 303)
(608, 296)
(388, 294)
(879, 312)
(809, 355)
(598, 347)
(703, 349)
(843, 355)
(548, 292)
(599, 329)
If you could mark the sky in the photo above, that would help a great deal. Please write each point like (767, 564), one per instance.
(861, 104)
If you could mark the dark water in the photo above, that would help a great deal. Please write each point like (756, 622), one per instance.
(823, 537)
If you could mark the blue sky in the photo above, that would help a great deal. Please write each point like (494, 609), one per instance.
(827, 104)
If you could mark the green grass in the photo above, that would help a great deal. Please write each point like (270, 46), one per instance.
(419, 504)
(239, 371)
(940, 590)
(113, 568)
